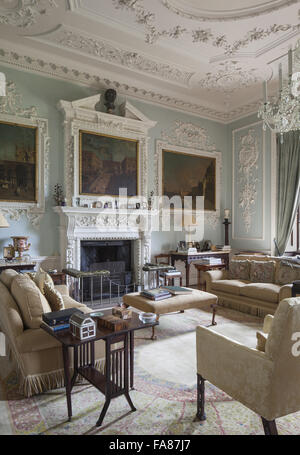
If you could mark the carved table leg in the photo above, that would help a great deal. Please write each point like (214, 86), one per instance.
(201, 398)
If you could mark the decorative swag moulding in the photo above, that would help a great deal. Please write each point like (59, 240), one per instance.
(85, 126)
(24, 160)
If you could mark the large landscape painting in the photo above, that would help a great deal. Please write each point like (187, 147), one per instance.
(106, 164)
(186, 174)
(18, 163)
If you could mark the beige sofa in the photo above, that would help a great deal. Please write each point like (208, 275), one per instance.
(37, 355)
(254, 284)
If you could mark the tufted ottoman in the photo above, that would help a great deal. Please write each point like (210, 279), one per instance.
(196, 299)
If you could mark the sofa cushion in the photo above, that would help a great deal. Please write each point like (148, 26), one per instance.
(262, 271)
(262, 291)
(30, 300)
(54, 297)
(40, 278)
(287, 272)
(239, 270)
(230, 286)
(7, 276)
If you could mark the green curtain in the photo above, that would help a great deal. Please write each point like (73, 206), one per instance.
(288, 186)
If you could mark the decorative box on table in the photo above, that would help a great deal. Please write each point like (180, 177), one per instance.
(82, 326)
(122, 313)
(112, 322)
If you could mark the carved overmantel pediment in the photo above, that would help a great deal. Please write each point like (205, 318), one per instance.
(83, 115)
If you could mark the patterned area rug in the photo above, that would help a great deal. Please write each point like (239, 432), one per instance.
(164, 395)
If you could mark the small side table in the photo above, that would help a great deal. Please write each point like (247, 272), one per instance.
(58, 277)
(170, 277)
(205, 268)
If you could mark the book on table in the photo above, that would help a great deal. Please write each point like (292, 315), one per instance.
(177, 290)
(156, 294)
(57, 327)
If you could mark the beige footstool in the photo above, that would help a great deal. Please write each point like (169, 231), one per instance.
(176, 303)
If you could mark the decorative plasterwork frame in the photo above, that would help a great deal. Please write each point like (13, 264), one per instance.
(12, 111)
(82, 115)
(190, 138)
(247, 180)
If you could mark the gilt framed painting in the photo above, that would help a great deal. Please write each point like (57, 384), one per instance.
(107, 163)
(18, 163)
(188, 173)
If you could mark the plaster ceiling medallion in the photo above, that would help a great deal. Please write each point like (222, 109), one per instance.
(23, 13)
(214, 10)
(232, 75)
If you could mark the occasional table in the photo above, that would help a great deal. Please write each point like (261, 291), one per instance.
(188, 259)
(119, 362)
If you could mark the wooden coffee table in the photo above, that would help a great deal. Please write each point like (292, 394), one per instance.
(119, 370)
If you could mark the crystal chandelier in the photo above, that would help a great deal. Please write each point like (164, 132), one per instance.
(283, 114)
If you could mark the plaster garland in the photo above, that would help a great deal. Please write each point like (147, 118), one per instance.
(248, 156)
(24, 13)
(125, 57)
(200, 35)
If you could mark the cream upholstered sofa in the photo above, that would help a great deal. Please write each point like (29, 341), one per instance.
(37, 355)
(254, 284)
(265, 380)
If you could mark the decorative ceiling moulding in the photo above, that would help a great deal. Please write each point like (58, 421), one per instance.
(190, 10)
(38, 65)
(232, 75)
(102, 50)
(198, 35)
(13, 112)
(24, 13)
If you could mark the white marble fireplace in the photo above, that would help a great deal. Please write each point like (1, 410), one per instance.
(79, 223)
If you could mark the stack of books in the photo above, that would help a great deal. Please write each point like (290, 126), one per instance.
(156, 294)
(211, 261)
(177, 290)
(173, 272)
(223, 247)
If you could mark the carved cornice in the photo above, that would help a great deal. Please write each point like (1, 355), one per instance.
(24, 13)
(95, 81)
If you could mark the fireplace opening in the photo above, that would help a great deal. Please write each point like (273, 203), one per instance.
(112, 255)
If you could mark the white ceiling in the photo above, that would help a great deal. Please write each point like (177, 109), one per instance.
(208, 57)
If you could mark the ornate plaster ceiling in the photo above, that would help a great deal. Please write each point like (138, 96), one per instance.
(203, 56)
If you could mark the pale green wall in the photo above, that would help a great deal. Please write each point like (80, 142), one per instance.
(44, 93)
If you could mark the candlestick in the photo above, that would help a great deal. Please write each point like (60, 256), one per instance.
(280, 77)
(265, 91)
(290, 55)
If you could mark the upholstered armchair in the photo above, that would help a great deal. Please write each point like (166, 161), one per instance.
(266, 382)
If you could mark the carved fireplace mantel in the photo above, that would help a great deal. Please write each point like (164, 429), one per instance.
(78, 224)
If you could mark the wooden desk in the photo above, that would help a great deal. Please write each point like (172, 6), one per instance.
(188, 259)
(17, 265)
